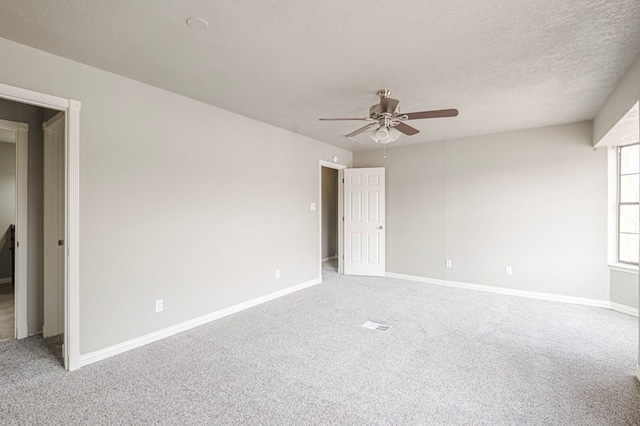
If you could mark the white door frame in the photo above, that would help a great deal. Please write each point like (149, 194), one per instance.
(340, 168)
(21, 221)
(71, 348)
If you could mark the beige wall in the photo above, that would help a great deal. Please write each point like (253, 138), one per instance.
(7, 204)
(535, 200)
(179, 200)
(329, 212)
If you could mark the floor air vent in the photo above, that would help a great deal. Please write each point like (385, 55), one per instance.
(375, 326)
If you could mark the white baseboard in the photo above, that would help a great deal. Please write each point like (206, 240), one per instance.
(5, 280)
(326, 259)
(522, 293)
(128, 345)
(624, 309)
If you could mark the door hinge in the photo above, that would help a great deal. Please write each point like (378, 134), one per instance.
(60, 242)
(343, 218)
(17, 243)
(342, 180)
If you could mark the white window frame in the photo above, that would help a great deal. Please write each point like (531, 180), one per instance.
(619, 202)
(613, 168)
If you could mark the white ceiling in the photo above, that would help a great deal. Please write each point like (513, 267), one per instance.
(505, 64)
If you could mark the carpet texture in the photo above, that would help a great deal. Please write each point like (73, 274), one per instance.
(452, 356)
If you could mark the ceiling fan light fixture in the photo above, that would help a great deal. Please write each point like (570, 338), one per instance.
(385, 135)
(382, 133)
(394, 134)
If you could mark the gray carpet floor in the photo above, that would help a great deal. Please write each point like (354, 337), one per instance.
(452, 356)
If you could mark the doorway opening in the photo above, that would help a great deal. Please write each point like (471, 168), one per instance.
(29, 229)
(8, 208)
(331, 218)
(27, 156)
(361, 234)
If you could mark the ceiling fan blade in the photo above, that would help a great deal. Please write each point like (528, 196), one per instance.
(341, 119)
(431, 114)
(360, 130)
(388, 105)
(406, 129)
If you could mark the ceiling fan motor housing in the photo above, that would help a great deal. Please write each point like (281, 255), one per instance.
(387, 106)
(375, 111)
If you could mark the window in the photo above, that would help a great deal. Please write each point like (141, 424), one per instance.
(628, 182)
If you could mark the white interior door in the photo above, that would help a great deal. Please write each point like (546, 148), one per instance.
(54, 198)
(364, 221)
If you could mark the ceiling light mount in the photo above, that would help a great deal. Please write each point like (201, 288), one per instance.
(197, 24)
(384, 93)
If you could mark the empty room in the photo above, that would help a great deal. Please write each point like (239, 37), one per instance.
(310, 213)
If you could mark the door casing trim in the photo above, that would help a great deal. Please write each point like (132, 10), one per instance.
(71, 107)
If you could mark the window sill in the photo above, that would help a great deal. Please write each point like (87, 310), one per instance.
(622, 267)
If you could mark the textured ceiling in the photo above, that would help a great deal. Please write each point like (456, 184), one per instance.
(505, 64)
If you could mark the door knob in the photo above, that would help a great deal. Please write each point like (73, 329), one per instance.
(380, 227)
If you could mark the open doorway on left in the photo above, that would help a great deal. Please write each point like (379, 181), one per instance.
(22, 208)
(8, 179)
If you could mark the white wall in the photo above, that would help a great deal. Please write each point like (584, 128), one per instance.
(178, 200)
(7, 204)
(535, 200)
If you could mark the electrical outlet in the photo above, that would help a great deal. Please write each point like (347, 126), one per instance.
(277, 273)
(449, 264)
(313, 207)
(159, 305)
(508, 270)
